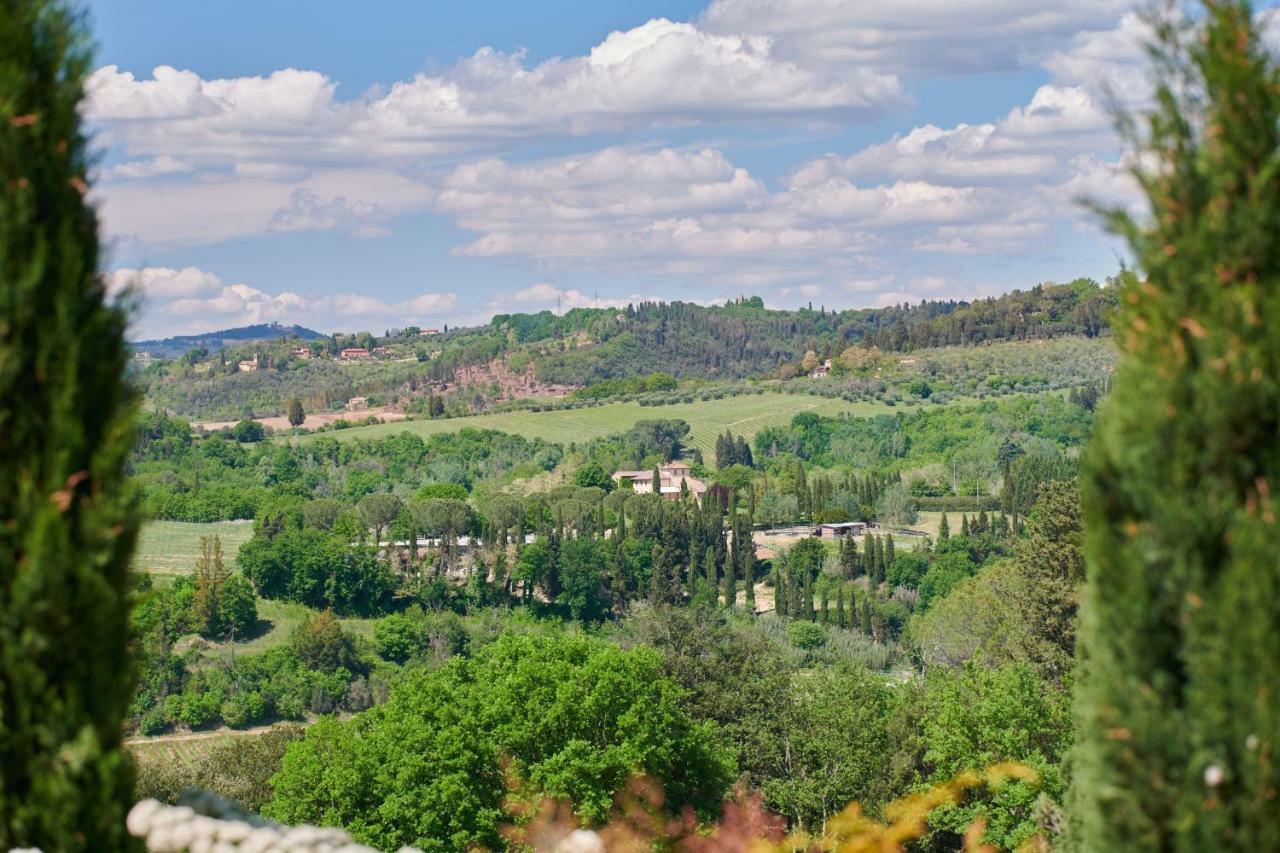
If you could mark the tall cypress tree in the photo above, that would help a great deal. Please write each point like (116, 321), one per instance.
(730, 582)
(1177, 707)
(944, 529)
(807, 588)
(67, 528)
(840, 615)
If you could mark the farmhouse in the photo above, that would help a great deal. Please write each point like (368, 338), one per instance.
(353, 354)
(840, 530)
(248, 366)
(357, 404)
(671, 476)
(303, 353)
(381, 351)
(821, 370)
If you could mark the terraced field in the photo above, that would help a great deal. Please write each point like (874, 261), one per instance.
(744, 415)
(171, 547)
(186, 748)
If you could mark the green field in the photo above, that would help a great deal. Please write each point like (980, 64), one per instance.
(171, 547)
(281, 618)
(744, 415)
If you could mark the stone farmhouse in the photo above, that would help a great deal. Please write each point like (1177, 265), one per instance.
(671, 476)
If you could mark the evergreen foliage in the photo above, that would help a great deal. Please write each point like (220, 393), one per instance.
(66, 425)
(1180, 627)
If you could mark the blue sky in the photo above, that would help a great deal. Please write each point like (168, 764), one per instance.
(424, 163)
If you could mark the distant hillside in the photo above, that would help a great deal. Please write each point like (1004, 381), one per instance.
(176, 346)
(617, 352)
(745, 339)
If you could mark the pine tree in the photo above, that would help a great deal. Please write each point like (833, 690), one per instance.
(67, 529)
(1178, 718)
(944, 529)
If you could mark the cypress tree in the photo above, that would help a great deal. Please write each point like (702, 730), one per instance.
(730, 582)
(964, 525)
(1177, 712)
(824, 614)
(808, 597)
(67, 529)
(779, 592)
(876, 573)
(709, 567)
(840, 614)
(802, 490)
(658, 576)
(795, 597)
(944, 529)
(864, 621)
(889, 555)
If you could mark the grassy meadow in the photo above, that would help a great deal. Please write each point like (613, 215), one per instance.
(171, 547)
(744, 415)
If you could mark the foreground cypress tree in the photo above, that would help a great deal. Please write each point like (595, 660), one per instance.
(66, 528)
(1179, 696)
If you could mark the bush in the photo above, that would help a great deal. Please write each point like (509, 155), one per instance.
(248, 431)
(397, 638)
(806, 635)
(321, 644)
